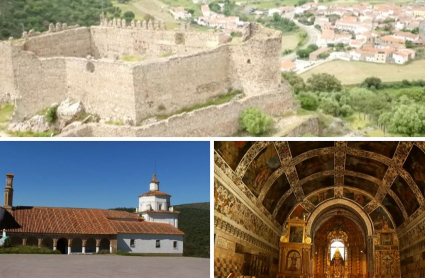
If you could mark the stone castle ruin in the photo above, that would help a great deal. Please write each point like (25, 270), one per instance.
(171, 70)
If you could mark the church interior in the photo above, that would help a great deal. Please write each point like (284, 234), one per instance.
(319, 209)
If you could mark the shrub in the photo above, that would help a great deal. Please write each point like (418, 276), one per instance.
(372, 81)
(51, 115)
(324, 82)
(346, 110)
(330, 106)
(255, 122)
(309, 101)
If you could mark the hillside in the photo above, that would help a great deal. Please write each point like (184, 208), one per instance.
(19, 15)
(194, 221)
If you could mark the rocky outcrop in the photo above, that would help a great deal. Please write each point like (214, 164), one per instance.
(69, 111)
(36, 124)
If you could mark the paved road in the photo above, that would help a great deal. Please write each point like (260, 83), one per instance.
(312, 33)
(101, 266)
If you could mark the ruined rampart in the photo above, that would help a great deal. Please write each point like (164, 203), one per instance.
(176, 68)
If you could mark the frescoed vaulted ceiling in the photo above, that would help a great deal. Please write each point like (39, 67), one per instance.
(386, 179)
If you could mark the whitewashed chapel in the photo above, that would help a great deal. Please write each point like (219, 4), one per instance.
(151, 230)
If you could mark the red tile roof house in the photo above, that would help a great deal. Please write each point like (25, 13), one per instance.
(79, 230)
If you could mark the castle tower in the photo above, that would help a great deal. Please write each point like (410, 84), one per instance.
(154, 205)
(8, 192)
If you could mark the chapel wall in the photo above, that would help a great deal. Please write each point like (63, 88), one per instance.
(74, 42)
(104, 87)
(412, 250)
(146, 243)
(164, 87)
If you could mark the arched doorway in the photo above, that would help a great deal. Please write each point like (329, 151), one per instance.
(62, 245)
(47, 243)
(77, 245)
(32, 241)
(91, 245)
(16, 240)
(104, 244)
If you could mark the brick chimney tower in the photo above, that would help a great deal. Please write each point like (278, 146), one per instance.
(8, 192)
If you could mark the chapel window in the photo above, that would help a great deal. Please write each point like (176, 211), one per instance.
(132, 243)
(175, 244)
(158, 243)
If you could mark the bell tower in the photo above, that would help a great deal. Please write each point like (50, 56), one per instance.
(8, 192)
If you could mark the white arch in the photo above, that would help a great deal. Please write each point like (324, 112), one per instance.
(332, 202)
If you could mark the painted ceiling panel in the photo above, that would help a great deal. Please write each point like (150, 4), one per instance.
(405, 194)
(276, 191)
(315, 165)
(315, 184)
(357, 197)
(322, 196)
(298, 148)
(386, 148)
(415, 166)
(260, 169)
(392, 207)
(360, 183)
(286, 208)
(232, 152)
(298, 212)
(379, 218)
(366, 166)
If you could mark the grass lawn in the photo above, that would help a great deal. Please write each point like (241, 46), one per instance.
(20, 249)
(267, 4)
(138, 15)
(290, 41)
(356, 72)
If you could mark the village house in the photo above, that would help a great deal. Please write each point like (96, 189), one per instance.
(179, 13)
(287, 66)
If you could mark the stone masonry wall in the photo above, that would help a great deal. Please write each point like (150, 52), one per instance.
(112, 41)
(105, 87)
(221, 120)
(255, 64)
(164, 87)
(7, 81)
(40, 82)
(68, 43)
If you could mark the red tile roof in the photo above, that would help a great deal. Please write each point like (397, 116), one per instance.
(154, 193)
(48, 220)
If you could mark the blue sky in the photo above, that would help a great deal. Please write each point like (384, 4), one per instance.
(104, 174)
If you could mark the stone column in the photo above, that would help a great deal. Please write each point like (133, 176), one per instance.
(69, 245)
(40, 240)
(24, 241)
(84, 245)
(55, 243)
(97, 245)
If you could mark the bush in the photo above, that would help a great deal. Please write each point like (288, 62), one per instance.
(330, 106)
(51, 116)
(324, 82)
(346, 110)
(372, 81)
(309, 101)
(255, 122)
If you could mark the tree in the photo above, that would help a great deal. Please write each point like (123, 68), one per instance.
(148, 17)
(330, 106)
(323, 82)
(128, 16)
(215, 7)
(372, 81)
(295, 81)
(309, 101)
(255, 122)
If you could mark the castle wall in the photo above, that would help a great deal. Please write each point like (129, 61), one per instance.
(40, 82)
(104, 87)
(68, 43)
(221, 120)
(114, 42)
(164, 87)
(255, 64)
(7, 79)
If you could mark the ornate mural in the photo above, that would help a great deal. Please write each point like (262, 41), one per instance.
(357, 197)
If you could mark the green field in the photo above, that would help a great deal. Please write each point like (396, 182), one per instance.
(290, 41)
(356, 72)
